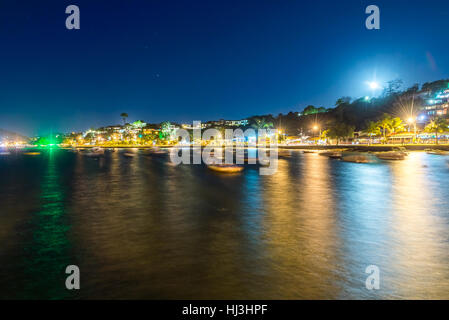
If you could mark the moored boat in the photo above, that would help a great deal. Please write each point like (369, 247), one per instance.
(331, 154)
(156, 152)
(94, 152)
(400, 149)
(226, 168)
(129, 154)
(357, 158)
(391, 155)
(437, 152)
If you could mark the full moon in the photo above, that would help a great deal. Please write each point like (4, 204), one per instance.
(374, 85)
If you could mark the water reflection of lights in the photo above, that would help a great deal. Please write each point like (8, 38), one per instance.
(142, 229)
(418, 228)
(48, 254)
(300, 225)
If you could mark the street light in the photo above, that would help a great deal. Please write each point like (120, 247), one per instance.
(411, 121)
(279, 135)
(315, 128)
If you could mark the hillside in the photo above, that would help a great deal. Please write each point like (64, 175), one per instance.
(358, 112)
(11, 136)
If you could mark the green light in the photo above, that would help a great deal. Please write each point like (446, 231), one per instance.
(48, 141)
(48, 251)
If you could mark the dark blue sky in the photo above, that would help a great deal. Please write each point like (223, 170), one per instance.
(202, 60)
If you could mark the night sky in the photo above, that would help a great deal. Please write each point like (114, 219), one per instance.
(204, 60)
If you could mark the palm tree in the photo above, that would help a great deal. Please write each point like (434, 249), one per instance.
(385, 124)
(372, 129)
(165, 130)
(324, 135)
(124, 117)
(396, 125)
(260, 123)
(390, 125)
(437, 126)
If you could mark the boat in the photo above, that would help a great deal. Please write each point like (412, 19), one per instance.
(357, 158)
(331, 154)
(401, 149)
(226, 168)
(94, 153)
(157, 152)
(129, 154)
(391, 155)
(98, 150)
(437, 152)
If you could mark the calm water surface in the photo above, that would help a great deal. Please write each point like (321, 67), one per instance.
(142, 228)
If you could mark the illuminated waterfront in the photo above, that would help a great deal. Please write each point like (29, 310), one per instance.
(142, 228)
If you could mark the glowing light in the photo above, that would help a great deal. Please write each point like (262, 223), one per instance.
(373, 85)
(315, 127)
(410, 120)
(366, 98)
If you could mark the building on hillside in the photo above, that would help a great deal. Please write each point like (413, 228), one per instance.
(429, 138)
(192, 126)
(227, 123)
(401, 138)
(236, 123)
(150, 131)
(436, 106)
(361, 137)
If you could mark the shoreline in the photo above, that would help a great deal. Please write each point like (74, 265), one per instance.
(353, 148)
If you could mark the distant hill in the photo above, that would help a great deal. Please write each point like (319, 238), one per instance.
(8, 135)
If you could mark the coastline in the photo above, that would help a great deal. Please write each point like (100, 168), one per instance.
(354, 148)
